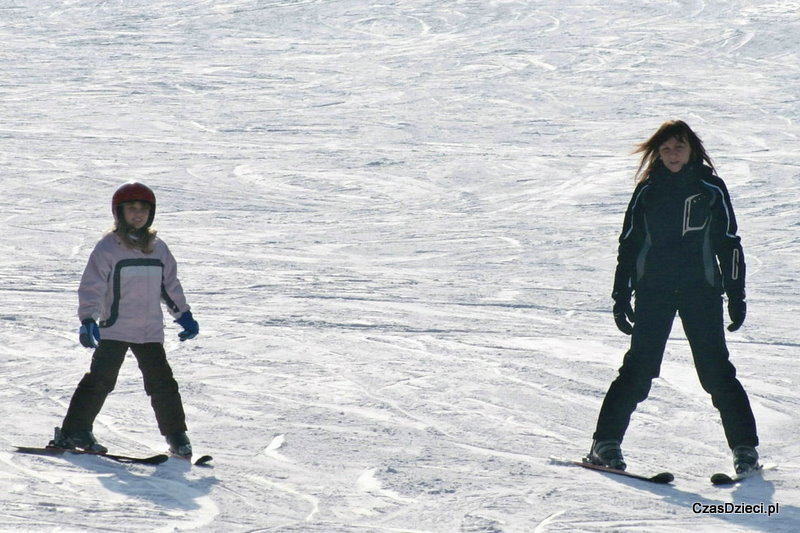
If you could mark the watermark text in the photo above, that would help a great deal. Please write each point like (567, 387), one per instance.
(768, 509)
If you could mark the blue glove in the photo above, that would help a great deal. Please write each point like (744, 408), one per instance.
(89, 334)
(190, 326)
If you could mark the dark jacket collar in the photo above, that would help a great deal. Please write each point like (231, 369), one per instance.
(687, 176)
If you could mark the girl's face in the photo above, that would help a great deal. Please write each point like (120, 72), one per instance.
(675, 153)
(136, 213)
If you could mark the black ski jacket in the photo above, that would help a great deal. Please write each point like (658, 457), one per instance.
(679, 233)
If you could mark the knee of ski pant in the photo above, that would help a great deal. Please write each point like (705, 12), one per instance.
(636, 383)
(719, 380)
(163, 384)
(724, 393)
(101, 383)
(641, 391)
(157, 374)
(639, 372)
(642, 363)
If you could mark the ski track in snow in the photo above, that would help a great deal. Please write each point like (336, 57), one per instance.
(396, 224)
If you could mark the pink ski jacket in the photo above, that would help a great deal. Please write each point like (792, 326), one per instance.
(123, 289)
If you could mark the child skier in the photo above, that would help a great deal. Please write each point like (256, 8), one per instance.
(678, 252)
(129, 272)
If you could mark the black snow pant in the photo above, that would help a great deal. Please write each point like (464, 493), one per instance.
(701, 314)
(159, 384)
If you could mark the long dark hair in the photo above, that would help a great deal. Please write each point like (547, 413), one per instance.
(672, 129)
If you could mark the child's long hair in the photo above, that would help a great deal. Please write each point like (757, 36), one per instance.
(141, 239)
(673, 129)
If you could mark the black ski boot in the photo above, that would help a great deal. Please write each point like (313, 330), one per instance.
(607, 453)
(745, 459)
(179, 444)
(82, 439)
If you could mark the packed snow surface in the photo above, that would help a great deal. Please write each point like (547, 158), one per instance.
(396, 223)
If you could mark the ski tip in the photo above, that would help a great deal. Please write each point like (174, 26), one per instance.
(203, 460)
(720, 478)
(663, 477)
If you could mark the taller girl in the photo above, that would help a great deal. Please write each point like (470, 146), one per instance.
(129, 274)
(678, 252)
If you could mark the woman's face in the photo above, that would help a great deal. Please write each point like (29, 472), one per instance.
(675, 153)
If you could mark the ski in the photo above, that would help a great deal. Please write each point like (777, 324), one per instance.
(203, 460)
(721, 478)
(660, 478)
(55, 451)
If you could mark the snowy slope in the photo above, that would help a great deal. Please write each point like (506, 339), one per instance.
(396, 223)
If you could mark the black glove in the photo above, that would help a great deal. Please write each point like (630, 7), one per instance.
(89, 334)
(623, 315)
(737, 310)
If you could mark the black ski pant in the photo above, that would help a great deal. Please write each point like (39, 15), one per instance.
(159, 384)
(701, 314)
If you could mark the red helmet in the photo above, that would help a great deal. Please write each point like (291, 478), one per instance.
(133, 192)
